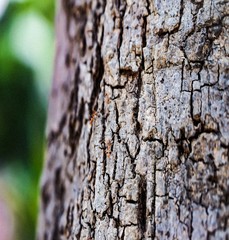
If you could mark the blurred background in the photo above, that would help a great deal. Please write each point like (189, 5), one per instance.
(26, 56)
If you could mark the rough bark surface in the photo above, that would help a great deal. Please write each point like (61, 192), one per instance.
(138, 126)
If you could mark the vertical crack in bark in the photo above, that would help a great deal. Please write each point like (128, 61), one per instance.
(97, 78)
(181, 14)
(144, 31)
(103, 135)
(59, 204)
(97, 75)
(182, 75)
(122, 14)
(53, 135)
(142, 205)
(154, 199)
(75, 133)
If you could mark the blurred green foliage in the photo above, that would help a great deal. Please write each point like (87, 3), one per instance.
(26, 53)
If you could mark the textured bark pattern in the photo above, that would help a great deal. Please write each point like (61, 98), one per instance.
(138, 128)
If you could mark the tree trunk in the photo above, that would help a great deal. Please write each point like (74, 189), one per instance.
(138, 125)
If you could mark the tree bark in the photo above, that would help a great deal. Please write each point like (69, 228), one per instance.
(138, 124)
